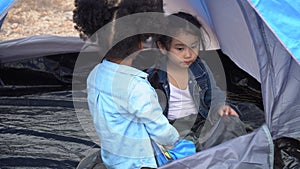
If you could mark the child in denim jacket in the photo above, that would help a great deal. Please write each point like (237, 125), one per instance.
(185, 85)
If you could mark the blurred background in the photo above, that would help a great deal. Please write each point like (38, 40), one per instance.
(39, 17)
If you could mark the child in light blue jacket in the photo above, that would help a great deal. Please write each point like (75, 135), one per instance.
(124, 106)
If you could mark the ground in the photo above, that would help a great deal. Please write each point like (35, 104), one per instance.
(39, 17)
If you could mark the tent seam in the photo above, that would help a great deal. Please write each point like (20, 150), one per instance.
(271, 145)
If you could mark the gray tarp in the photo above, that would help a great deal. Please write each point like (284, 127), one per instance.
(37, 46)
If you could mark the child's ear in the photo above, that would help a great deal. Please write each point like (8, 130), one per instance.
(161, 48)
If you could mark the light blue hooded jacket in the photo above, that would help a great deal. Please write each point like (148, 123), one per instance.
(126, 115)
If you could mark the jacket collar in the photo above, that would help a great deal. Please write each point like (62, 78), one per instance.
(124, 69)
(198, 68)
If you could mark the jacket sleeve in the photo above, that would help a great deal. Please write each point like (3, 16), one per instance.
(217, 95)
(144, 104)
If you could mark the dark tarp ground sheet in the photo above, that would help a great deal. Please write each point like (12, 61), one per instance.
(55, 74)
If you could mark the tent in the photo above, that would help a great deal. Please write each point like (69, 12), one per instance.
(260, 36)
(252, 35)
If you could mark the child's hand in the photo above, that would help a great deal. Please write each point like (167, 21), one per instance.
(227, 110)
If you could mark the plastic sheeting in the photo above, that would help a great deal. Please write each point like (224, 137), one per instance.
(50, 59)
(287, 153)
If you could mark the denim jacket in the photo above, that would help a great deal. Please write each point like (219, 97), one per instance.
(201, 83)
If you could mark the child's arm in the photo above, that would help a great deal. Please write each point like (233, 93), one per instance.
(148, 111)
(218, 96)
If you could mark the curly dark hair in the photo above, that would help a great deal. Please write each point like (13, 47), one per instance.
(91, 15)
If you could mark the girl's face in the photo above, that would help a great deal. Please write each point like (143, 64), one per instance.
(183, 53)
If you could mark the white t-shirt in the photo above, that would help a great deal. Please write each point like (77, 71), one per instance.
(181, 103)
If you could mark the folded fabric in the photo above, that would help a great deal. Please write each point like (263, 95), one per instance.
(181, 149)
